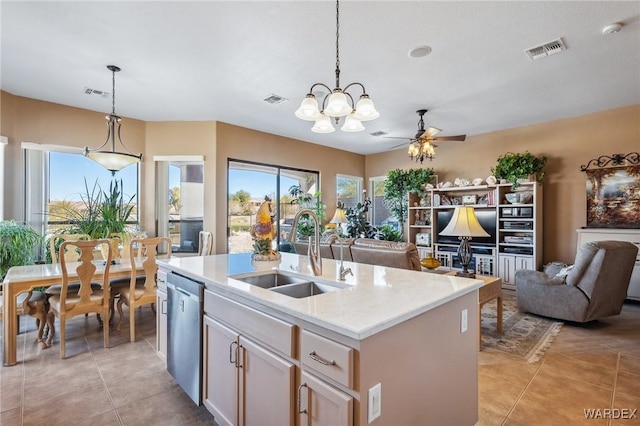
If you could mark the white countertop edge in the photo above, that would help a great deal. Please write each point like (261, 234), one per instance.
(358, 334)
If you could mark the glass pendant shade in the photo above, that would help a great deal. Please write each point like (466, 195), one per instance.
(427, 150)
(308, 109)
(323, 125)
(338, 105)
(365, 110)
(351, 124)
(113, 161)
(414, 151)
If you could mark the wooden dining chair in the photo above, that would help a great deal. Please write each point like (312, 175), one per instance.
(70, 253)
(33, 303)
(142, 291)
(124, 242)
(85, 299)
(205, 243)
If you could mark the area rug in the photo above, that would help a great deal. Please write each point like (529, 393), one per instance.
(525, 335)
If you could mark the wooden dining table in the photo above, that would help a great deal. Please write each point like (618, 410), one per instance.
(20, 279)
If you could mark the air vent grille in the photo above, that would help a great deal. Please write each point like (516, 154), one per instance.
(379, 133)
(90, 91)
(544, 50)
(275, 99)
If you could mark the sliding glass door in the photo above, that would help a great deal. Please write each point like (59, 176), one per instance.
(247, 186)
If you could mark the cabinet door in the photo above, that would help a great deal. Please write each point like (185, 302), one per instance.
(524, 263)
(161, 325)
(267, 387)
(507, 268)
(220, 385)
(320, 404)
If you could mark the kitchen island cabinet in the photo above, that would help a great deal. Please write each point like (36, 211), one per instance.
(383, 348)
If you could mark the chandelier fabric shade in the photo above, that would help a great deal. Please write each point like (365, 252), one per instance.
(337, 103)
(113, 160)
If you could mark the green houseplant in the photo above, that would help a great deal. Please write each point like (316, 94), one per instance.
(18, 245)
(513, 166)
(398, 185)
(306, 226)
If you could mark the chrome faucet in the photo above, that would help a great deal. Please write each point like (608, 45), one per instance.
(342, 272)
(313, 253)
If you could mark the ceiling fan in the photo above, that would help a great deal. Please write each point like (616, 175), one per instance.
(421, 146)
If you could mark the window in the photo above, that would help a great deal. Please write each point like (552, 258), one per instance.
(380, 214)
(73, 181)
(180, 200)
(248, 185)
(349, 190)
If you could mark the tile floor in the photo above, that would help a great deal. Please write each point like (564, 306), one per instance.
(596, 366)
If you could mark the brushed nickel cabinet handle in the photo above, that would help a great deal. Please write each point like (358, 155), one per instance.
(231, 360)
(314, 356)
(304, 385)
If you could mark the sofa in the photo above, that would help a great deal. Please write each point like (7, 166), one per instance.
(367, 250)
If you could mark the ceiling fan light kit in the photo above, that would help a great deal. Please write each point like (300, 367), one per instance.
(113, 160)
(338, 102)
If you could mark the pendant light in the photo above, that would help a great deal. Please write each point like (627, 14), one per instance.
(113, 160)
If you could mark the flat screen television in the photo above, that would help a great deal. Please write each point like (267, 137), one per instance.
(487, 219)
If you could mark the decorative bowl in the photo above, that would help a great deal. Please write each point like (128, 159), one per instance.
(430, 262)
(522, 197)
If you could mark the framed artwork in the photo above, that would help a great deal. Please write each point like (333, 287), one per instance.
(613, 197)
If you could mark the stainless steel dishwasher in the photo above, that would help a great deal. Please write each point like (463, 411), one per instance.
(185, 298)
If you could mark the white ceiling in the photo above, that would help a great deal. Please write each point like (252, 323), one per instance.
(217, 60)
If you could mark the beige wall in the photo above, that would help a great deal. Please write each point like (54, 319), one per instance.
(245, 144)
(29, 120)
(180, 138)
(568, 144)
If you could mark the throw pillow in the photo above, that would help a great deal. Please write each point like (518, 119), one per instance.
(564, 272)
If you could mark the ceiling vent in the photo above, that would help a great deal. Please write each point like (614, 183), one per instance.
(275, 99)
(90, 91)
(544, 50)
(379, 133)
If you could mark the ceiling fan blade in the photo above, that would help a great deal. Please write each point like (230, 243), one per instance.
(398, 146)
(430, 133)
(450, 138)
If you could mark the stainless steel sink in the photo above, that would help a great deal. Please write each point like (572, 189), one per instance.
(269, 279)
(304, 289)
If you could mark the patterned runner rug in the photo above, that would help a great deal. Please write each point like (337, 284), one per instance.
(525, 335)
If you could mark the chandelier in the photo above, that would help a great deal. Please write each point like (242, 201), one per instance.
(338, 102)
(112, 160)
(421, 149)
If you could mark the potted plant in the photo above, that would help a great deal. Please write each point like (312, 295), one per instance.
(18, 245)
(357, 224)
(513, 166)
(306, 226)
(398, 185)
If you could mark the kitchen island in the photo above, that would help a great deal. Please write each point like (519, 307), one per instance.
(385, 346)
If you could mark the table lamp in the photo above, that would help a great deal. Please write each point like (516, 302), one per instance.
(464, 225)
(339, 218)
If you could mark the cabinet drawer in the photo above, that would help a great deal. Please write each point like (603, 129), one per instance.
(330, 358)
(250, 322)
(161, 280)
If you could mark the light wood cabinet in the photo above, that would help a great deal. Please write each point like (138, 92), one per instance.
(161, 316)
(320, 404)
(515, 229)
(509, 264)
(244, 382)
(220, 374)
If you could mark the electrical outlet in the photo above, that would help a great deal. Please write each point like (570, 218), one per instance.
(375, 402)
(463, 321)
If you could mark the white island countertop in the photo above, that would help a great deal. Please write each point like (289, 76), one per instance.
(373, 299)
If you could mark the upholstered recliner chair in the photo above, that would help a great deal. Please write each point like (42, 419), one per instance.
(595, 287)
